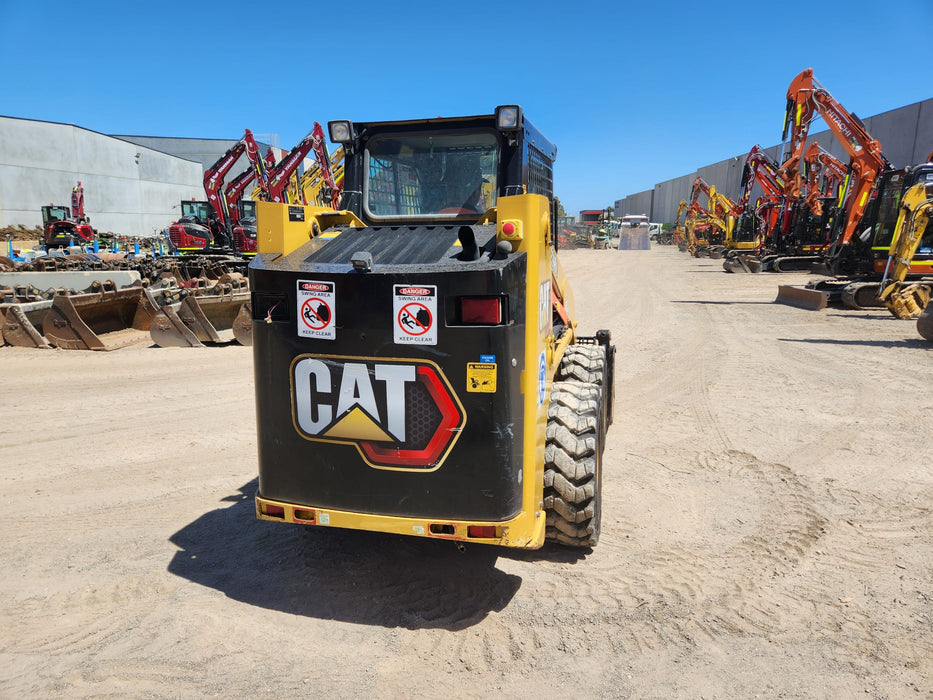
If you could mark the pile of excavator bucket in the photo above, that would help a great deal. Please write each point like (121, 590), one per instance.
(106, 302)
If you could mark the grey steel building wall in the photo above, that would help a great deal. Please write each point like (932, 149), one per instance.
(205, 151)
(129, 189)
(639, 203)
(905, 134)
(133, 184)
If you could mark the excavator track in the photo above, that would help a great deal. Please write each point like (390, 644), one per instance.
(861, 295)
(794, 263)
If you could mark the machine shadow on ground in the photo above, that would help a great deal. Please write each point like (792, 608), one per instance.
(329, 573)
(721, 303)
(918, 344)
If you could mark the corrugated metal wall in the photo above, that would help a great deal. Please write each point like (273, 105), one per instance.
(905, 134)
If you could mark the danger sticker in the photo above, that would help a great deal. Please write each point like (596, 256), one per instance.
(481, 377)
(415, 311)
(316, 310)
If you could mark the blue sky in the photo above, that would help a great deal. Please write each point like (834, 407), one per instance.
(631, 93)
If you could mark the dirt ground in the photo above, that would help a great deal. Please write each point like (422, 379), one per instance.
(767, 527)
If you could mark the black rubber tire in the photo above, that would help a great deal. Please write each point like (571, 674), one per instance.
(925, 323)
(573, 464)
(587, 363)
(582, 363)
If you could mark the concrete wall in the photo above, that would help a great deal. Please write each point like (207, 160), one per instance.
(124, 193)
(639, 203)
(208, 151)
(905, 134)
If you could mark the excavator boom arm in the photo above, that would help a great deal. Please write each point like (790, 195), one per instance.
(805, 99)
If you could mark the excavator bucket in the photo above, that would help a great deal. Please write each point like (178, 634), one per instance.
(198, 319)
(802, 297)
(908, 300)
(243, 325)
(105, 320)
(742, 264)
(20, 323)
(168, 330)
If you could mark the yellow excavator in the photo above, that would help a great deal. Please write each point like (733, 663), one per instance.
(313, 185)
(697, 227)
(679, 234)
(908, 299)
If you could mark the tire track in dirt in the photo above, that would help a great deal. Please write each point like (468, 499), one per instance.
(673, 595)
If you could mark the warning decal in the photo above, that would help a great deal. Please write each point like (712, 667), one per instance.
(481, 377)
(316, 310)
(415, 311)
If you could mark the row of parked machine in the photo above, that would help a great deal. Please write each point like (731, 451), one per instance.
(862, 224)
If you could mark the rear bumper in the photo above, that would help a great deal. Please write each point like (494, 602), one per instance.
(525, 531)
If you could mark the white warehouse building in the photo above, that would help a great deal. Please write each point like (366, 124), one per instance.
(130, 189)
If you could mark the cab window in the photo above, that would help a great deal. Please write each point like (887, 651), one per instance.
(430, 176)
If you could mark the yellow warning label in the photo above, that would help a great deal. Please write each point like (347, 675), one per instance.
(481, 377)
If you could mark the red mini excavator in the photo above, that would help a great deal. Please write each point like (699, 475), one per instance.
(63, 226)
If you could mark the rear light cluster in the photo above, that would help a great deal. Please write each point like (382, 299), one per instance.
(473, 532)
(481, 311)
(301, 515)
(309, 517)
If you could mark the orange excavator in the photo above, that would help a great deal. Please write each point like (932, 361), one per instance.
(806, 100)
(860, 233)
(812, 204)
(824, 174)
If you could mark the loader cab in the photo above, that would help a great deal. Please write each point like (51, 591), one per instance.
(442, 171)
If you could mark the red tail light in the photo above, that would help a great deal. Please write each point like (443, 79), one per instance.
(273, 511)
(481, 310)
(482, 531)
